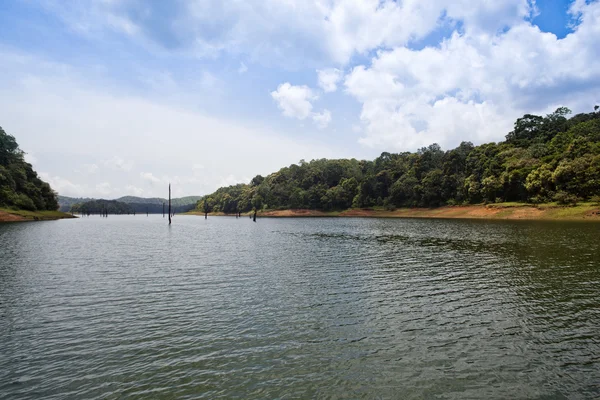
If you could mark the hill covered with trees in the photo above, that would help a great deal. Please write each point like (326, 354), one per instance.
(102, 206)
(139, 205)
(544, 159)
(20, 186)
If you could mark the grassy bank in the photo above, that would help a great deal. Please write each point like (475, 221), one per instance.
(10, 215)
(508, 211)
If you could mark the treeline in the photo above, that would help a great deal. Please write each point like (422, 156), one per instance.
(101, 207)
(158, 208)
(20, 186)
(544, 159)
(138, 204)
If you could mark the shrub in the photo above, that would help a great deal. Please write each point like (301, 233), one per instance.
(22, 201)
(564, 198)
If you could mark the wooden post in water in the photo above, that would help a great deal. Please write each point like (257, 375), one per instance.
(254, 218)
(163, 209)
(146, 211)
(169, 204)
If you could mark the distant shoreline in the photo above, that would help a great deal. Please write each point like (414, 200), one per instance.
(501, 211)
(8, 215)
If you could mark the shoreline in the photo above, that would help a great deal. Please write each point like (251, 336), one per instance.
(500, 211)
(7, 215)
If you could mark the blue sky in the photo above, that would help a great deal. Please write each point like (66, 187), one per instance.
(113, 97)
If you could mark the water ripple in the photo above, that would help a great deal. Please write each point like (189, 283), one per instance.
(299, 308)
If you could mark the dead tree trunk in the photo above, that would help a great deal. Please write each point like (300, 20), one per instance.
(163, 209)
(169, 204)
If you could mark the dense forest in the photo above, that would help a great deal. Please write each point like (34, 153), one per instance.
(544, 159)
(135, 204)
(20, 186)
(101, 207)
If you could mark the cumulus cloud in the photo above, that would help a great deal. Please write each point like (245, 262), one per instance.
(294, 101)
(492, 66)
(271, 31)
(328, 79)
(473, 86)
(136, 134)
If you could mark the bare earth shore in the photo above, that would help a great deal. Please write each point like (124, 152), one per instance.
(7, 215)
(505, 211)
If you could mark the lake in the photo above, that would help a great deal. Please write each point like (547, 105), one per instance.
(127, 306)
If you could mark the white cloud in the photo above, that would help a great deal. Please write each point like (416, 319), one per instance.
(294, 101)
(323, 119)
(242, 69)
(118, 163)
(148, 176)
(473, 86)
(136, 134)
(64, 186)
(272, 31)
(328, 79)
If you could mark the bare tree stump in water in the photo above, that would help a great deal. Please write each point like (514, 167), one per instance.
(169, 204)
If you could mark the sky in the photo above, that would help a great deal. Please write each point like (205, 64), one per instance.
(120, 97)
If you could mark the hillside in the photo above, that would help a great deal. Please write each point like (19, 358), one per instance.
(152, 205)
(181, 201)
(544, 159)
(20, 186)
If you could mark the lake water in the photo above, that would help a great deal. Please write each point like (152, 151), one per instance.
(299, 308)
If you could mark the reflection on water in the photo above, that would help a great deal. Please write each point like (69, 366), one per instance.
(299, 308)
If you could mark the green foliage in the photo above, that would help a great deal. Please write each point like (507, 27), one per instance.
(565, 199)
(20, 186)
(542, 159)
(139, 204)
(101, 206)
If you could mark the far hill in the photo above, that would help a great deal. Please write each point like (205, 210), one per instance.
(65, 202)
(152, 205)
(181, 201)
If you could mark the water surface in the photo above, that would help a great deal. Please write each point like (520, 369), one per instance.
(299, 308)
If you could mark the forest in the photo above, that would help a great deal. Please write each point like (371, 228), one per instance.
(550, 158)
(101, 207)
(127, 205)
(20, 186)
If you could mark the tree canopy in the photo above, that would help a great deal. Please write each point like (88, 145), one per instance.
(20, 186)
(101, 206)
(550, 158)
